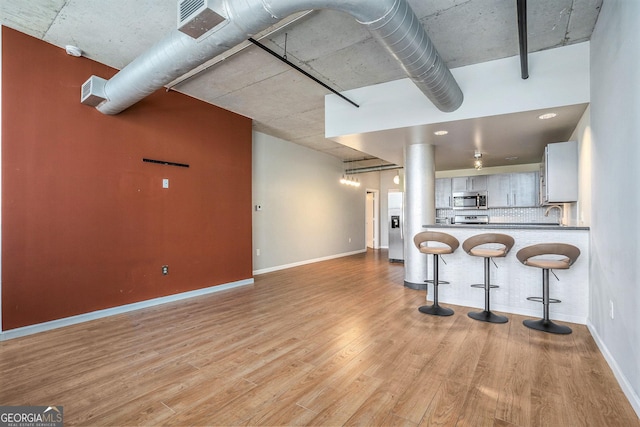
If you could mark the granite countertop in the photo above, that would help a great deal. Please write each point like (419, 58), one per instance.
(510, 225)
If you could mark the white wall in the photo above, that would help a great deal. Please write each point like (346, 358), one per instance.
(558, 77)
(307, 215)
(580, 213)
(615, 231)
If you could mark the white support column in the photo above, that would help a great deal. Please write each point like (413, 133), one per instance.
(420, 208)
(1, 179)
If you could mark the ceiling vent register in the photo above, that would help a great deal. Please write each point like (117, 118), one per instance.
(93, 91)
(197, 17)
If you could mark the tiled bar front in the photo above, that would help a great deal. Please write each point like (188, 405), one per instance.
(516, 281)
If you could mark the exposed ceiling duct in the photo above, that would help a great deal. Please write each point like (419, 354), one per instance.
(372, 169)
(391, 22)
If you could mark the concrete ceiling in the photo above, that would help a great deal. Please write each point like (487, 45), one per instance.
(331, 46)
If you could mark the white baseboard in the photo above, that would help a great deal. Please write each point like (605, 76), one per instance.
(622, 379)
(67, 321)
(309, 261)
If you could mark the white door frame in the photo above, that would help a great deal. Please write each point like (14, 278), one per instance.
(375, 219)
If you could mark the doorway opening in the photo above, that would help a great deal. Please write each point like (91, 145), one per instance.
(372, 213)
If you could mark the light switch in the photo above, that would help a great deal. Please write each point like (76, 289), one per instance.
(165, 183)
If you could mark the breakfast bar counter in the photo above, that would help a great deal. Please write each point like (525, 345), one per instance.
(516, 281)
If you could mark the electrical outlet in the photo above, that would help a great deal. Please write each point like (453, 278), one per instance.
(165, 270)
(257, 252)
(611, 309)
(165, 182)
(349, 239)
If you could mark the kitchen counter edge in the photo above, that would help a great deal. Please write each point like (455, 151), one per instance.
(507, 227)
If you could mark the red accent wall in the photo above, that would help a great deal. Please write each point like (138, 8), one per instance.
(86, 225)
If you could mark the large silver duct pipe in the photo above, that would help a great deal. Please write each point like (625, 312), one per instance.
(392, 22)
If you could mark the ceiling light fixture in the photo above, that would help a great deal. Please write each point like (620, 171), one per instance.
(477, 163)
(348, 180)
(441, 132)
(547, 116)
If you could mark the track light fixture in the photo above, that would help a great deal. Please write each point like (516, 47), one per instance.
(348, 180)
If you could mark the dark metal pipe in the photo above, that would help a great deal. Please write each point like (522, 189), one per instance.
(294, 66)
(522, 35)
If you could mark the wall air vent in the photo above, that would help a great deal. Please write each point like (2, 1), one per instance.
(93, 91)
(196, 17)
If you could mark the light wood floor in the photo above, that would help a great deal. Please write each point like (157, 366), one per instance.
(334, 343)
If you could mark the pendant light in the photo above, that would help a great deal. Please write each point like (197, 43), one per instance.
(477, 163)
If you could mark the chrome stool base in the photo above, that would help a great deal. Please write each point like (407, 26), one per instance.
(547, 326)
(487, 316)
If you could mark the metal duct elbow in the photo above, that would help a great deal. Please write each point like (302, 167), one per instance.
(392, 22)
(402, 34)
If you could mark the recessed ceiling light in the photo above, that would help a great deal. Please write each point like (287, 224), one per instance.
(441, 132)
(547, 116)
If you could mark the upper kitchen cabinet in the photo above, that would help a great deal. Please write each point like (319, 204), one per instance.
(443, 193)
(498, 190)
(524, 187)
(559, 173)
(512, 190)
(469, 183)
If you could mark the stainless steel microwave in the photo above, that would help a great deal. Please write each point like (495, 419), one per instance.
(470, 200)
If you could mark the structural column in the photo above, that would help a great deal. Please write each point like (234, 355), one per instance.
(420, 208)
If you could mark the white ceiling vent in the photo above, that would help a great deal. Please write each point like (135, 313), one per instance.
(196, 17)
(93, 91)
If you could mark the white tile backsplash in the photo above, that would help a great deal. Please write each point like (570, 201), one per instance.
(502, 215)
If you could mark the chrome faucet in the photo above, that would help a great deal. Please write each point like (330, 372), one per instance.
(546, 212)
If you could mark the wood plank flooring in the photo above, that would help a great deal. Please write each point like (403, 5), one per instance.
(334, 343)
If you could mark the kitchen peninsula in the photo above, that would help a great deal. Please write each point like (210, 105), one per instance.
(516, 282)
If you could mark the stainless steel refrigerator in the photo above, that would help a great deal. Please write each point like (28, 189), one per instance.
(396, 224)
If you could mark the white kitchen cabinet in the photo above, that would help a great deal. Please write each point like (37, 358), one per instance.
(443, 193)
(559, 173)
(498, 189)
(524, 188)
(469, 183)
(512, 190)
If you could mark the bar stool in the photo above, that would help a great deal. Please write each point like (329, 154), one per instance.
(444, 244)
(547, 256)
(488, 246)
